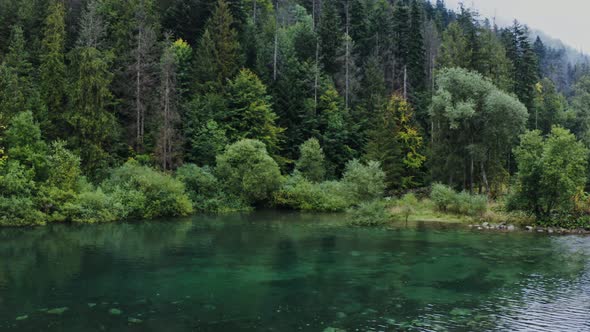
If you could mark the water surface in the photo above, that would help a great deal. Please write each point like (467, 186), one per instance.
(274, 271)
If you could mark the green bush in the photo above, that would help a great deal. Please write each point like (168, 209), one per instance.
(407, 205)
(206, 192)
(19, 211)
(311, 162)
(373, 213)
(247, 171)
(448, 200)
(442, 196)
(147, 193)
(302, 194)
(94, 207)
(364, 182)
(17, 190)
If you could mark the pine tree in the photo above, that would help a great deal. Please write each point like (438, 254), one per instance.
(400, 46)
(330, 37)
(416, 53)
(16, 89)
(53, 68)
(333, 131)
(89, 115)
(250, 111)
(223, 47)
(454, 50)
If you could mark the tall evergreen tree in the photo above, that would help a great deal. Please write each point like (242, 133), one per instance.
(53, 69)
(330, 37)
(90, 114)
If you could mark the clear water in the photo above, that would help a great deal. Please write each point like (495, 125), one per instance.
(273, 271)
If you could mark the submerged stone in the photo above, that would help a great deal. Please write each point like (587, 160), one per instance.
(333, 329)
(341, 315)
(23, 317)
(115, 311)
(91, 305)
(390, 321)
(460, 312)
(57, 311)
(134, 320)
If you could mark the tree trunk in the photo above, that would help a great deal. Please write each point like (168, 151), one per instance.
(347, 60)
(276, 47)
(485, 178)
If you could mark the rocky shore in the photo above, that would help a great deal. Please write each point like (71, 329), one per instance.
(531, 229)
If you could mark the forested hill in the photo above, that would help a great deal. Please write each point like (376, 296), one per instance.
(431, 94)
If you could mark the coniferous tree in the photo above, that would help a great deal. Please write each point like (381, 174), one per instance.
(251, 115)
(52, 70)
(90, 115)
(330, 37)
(17, 92)
(223, 48)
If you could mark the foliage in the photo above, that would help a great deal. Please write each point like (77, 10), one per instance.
(205, 190)
(372, 213)
(252, 115)
(551, 172)
(247, 171)
(299, 193)
(364, 181)
(475, 124)
(407, 205)
(448, 200)
(311, 161)
(146, 193)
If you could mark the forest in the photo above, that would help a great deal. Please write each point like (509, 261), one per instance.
(125, 110)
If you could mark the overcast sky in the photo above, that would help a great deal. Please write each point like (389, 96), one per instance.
(568, 20)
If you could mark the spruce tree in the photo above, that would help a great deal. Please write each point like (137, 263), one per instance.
(330, 37)
(53, 69)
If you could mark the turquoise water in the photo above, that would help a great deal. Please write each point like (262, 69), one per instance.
(275, 271)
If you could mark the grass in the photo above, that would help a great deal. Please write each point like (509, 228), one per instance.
(426, 210)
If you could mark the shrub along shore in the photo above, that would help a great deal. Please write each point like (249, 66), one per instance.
(49, 187)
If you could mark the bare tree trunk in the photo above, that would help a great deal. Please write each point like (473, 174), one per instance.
(317, 74)
(471, 172)
(138, 103)
(347, 60)
(276, 47)
(485, 178)
(405, 82)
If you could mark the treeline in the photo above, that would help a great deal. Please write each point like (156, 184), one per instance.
(97, 90)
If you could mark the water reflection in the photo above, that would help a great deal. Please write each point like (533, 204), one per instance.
(286, 271)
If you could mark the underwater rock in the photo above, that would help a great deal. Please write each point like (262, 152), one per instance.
(57, 311)
(333, 329)
(134, 320)
(115, 311)
(341, 315)
(91, 305)
(23, 317)
(460, 312)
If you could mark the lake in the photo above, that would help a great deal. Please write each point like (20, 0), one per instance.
(278, 271)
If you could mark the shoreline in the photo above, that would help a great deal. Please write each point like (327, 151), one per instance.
(503, 227)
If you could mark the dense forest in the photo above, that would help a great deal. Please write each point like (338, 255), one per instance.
(113, 110)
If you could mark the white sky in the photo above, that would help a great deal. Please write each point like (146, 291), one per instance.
(568, 20)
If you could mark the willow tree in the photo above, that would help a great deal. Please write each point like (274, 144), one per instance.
(475, 127)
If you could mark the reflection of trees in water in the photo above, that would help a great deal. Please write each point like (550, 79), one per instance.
(45, 258)
(256, 264)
